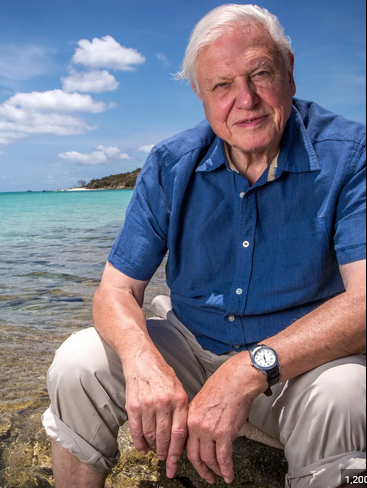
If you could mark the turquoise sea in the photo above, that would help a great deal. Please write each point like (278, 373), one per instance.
(53, 249)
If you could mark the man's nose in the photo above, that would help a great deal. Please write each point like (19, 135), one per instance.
(246, 95)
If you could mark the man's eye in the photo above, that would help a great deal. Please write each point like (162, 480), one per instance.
(261, 74)
(222, 85)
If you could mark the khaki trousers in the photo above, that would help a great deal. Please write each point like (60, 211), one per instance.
(320, 417)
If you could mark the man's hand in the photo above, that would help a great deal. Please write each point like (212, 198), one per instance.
(157, 406)
(217, 415)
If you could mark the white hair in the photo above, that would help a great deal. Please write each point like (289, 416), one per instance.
(216, 23)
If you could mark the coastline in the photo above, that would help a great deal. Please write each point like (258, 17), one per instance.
(94, 189)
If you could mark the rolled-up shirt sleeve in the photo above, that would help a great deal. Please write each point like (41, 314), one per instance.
(350, 236)
(142, 243)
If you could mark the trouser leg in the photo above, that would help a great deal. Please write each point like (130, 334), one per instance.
(320, 418)
(87, 389)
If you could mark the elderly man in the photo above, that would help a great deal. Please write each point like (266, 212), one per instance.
(261, 208)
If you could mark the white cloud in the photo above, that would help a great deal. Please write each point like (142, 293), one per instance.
(1, 153)
(48, 113)
(90, 82)
(36, 123)
(55, 100)
(163, 59)
(107, 53)
(146, 149)
(102, 155)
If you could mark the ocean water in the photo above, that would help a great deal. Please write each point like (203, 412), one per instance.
(53, 249)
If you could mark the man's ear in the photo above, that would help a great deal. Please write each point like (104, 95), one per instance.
(291, 73)
(196, 91)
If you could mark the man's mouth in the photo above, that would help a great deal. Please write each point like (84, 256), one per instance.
(254, 122)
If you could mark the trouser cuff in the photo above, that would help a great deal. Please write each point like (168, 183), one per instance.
(77, 446)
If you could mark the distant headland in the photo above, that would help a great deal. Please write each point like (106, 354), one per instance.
(122, 181)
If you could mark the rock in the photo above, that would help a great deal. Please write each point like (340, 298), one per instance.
(25, 461)
(256, 465)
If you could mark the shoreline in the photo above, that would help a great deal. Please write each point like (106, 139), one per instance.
(93, 189)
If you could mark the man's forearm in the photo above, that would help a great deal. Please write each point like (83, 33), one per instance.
(336, 329)
(156, 403)
(121, 322)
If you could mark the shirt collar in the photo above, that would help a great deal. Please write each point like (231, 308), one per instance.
(215, 158)
(297, 154)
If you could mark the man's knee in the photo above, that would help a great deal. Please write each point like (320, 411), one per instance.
(87, 390)
(343, 386)
(84, 369)
(334, 407)
(78, 357)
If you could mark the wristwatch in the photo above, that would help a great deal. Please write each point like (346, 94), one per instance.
(266, 360)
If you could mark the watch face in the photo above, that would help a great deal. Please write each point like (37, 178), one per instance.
(265, 358)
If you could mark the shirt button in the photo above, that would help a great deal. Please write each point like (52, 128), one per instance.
(237, 347)
(246, 244)
(239, 291)
(231, 318)
(243, 194)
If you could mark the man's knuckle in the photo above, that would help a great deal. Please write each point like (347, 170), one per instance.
(148, 404)
(206, 428)
(163, 402)
(193, 458)
(209, 461)
(193, 423)
(220, 433)
(134, 408)
(137, 434)
(150, 436)
(163, 438)
(224, 461)
(179, 434)
(182, 400)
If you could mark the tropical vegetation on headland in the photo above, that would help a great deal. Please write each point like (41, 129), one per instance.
(122, 181)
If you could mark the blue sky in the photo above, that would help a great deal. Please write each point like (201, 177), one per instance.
(70, 111)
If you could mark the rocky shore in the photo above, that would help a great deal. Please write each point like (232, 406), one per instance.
(25, 460)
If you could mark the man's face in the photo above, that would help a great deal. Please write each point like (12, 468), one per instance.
(246, 89)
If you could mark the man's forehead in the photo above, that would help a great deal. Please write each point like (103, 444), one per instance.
(252, 46)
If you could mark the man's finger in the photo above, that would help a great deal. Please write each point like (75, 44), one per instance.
(225, 459)
(136, 428)
(178, 440)
(150, 428)
(164, 428)
(208, 454)
(193, 453)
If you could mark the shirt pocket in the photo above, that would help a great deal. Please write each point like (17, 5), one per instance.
(303, 255)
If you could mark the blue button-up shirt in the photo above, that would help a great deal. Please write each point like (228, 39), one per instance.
(246, 262)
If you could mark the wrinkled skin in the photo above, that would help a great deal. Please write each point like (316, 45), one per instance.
(157, 406)
(247, 91)
(217, 415)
